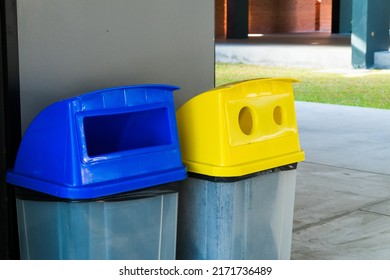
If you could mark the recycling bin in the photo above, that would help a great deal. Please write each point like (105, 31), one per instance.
(241, 148)
(96, 177)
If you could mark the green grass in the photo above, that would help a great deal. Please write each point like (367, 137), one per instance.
(364, 88)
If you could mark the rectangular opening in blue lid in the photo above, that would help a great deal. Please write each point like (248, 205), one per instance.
(106, 134)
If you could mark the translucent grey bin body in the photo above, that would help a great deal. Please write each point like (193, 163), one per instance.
(247, 219)
(143, 228)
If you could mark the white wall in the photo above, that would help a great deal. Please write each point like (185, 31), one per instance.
(69, 47)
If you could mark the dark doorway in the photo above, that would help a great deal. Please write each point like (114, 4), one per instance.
(335, 16)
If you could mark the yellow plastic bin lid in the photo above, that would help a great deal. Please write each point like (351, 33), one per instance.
(240, 128)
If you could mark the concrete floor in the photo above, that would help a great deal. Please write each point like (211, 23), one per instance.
(319, 50)
(342, 202)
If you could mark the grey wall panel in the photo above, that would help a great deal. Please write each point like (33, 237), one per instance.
(68, 47)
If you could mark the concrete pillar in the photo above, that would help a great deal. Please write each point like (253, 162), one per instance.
(370, 31)
(237, 19)
(345, 16)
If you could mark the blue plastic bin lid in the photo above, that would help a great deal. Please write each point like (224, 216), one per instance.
(102, 143)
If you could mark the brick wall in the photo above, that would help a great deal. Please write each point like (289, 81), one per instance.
(326, 15)
(279, 16)
(220, 24)
(262, 16)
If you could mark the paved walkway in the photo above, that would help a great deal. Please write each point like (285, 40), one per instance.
(318, 50)
(342, 203)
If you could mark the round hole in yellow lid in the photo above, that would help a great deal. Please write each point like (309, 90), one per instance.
(245, 120)
(278, 115)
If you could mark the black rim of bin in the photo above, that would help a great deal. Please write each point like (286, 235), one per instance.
(28, 194)
(286, 167)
